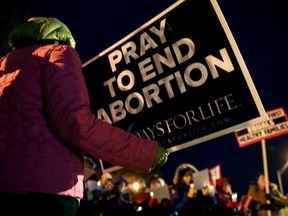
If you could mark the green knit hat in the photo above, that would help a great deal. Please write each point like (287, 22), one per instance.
(41, 30)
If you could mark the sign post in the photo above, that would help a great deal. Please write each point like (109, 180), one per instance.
(265, 165)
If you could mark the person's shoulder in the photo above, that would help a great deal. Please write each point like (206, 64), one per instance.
(252, 187)
(59, 48)
(60, 51)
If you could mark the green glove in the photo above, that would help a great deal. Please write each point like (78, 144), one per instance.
(161, 157)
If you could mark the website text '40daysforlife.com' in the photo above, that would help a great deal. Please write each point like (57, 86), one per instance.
(191, 124)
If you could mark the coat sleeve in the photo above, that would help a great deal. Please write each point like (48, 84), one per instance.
(68, 108)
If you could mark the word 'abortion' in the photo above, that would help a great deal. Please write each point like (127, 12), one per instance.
(150, 95)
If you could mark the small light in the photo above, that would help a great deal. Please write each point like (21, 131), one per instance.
(234, 197)
(139, 209)
(136, 186)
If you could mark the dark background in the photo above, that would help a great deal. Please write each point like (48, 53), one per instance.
(260, 30)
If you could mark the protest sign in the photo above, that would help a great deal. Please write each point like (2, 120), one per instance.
(275, 125)
(179, 79)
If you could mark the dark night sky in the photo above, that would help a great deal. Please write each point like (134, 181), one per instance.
(260, 30)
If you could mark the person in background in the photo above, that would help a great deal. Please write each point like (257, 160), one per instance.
(155, 181)
(118, 201)
(146, 204)
(142, 185)
(46, 124)
(96, 186)
(226, 203)
(186, 199)
(261, 201)
(98, 191)
(141, 198)
(159, 206)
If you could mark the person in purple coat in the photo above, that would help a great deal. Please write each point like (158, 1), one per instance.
(46, 125)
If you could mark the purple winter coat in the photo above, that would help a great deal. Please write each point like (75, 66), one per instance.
(46, 125)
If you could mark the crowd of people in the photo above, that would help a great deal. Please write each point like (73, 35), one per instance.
(111, 195)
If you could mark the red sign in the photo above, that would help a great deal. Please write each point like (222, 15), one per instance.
(275, 125)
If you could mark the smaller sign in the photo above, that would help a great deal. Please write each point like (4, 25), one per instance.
(215, 173)
(275, 125)
(160, 193)
(201, 179)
